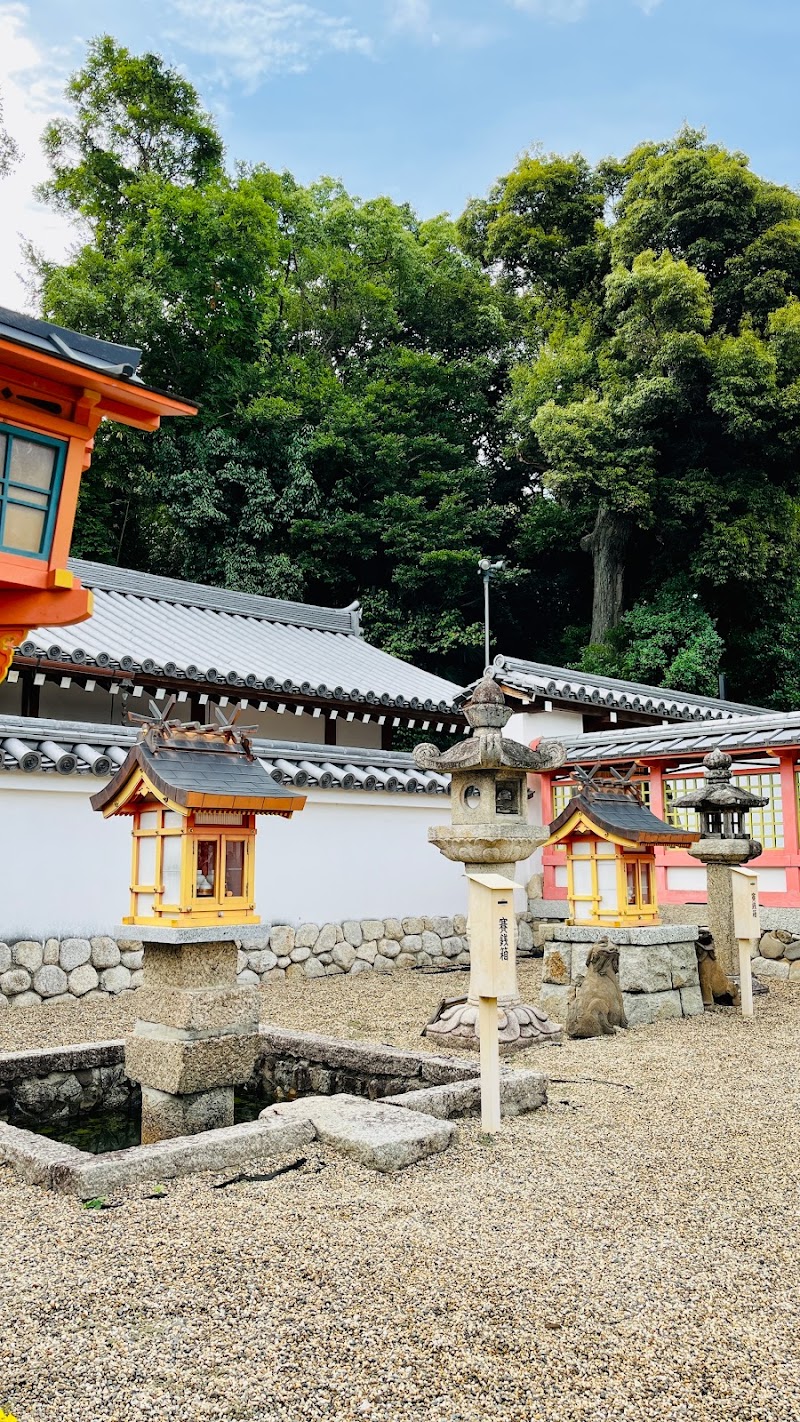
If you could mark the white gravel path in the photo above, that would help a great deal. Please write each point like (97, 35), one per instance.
(621, 1255)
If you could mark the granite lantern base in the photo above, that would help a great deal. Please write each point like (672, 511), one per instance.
(196, 1036)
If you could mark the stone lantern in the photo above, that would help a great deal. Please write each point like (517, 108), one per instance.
(724, 843)
(489, 807)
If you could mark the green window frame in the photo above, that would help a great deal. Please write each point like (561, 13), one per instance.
(36, 498)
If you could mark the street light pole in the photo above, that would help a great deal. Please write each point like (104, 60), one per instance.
(487, 570)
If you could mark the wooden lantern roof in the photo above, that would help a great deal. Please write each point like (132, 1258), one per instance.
(193, 767)
(609, 805)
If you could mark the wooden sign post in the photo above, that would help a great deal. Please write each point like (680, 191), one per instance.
(747, 928)
(492, 938)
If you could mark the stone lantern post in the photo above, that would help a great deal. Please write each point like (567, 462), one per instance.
(490, 828)
(724, 843)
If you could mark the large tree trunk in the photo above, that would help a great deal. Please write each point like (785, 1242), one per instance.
(607, 544)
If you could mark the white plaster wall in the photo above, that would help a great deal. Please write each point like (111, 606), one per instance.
(64, 869)
(531, 724)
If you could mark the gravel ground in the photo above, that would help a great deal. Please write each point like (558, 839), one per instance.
(625, 1254)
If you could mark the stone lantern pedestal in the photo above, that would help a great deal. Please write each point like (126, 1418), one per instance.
(490, 829)
(196, 1036)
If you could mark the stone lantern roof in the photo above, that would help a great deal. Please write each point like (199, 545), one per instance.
(487, 749)
(719, 793)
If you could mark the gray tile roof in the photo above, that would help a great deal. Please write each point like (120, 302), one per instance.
(741, 733)
(562, 684)
(620, 811)
(161, 627)
(77, 748)
(105, 357)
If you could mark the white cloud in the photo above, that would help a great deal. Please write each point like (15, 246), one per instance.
(31, 85)
(253, 38)
(411, 16)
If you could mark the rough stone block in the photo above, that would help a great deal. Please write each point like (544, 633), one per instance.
(442, 927)
(557, 966)
(431, 943)
(132, 959)
(771, 947)
(137, 978)
(519, 1091)
(352, 932)
(646, 1007)
(691, 1000)
(580, 952)
(313, 968)
(284, 963)
(459, 924)
(16, 980)
(28, 954)
(262, 960)
(372, 928)
(794, 972)
(393, 928)
(241, 961)
(299, 955)
(645, 968)
(761, 967)
(451, 947)
(190, 965)
(383, 965)
(294, 972)
(281, 939)
(344, 956)
(105, 952)
(275, 975)
(81, 980)
(524, 937)
(389, 948)
(413, 925)
(165, 1116)
(411, 943)
(52, 953)
(50, 981)
(306, 935)
(115, 980)
(553, 1001)
(5, 957)
(181, 1067)
(247, 978)
(361, 966)
(405, 960)
(367, 951)
(25, 999)
(327, 939)
(385, 1138)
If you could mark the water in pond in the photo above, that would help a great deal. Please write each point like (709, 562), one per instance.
(106, 1130)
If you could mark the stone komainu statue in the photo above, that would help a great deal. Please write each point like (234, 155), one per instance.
(596, 1006)
(714, 985)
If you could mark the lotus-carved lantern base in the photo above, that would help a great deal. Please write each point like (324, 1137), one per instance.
(519, 1025)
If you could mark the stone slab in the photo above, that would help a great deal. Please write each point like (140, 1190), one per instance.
(519, 1091)
(645, 967)
(661, 933)
(548, 908)
(213, 933)
(553, 1001)
(41, 1061)
(364, 1057)
(182, 1067)
(385, 1138)
(164, 1116)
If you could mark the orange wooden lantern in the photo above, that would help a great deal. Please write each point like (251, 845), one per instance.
(55, 388)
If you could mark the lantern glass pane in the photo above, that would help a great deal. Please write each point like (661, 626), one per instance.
(630, 885)
(646, 879)
(582, 848)
(32, 464)
(145, 905)
(149, 820)
(24, 528)
(171, 869)
(147, 861)
(582, 879)
(234, 869)
(607, 884)
(206, 875)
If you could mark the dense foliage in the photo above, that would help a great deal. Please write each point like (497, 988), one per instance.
(596, 373)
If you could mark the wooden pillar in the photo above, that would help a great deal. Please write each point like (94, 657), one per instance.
(791, 840)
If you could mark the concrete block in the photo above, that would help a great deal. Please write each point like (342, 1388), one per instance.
(385, 1138)
(557, 967)
(165, 1116)
(645, 967)
(646, 1007)
(181, 1067)
(691, 1000)
(190, 965)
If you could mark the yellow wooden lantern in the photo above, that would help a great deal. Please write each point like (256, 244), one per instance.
(610, 835)
(194, 793)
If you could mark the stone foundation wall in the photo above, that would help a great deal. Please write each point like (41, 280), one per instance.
(33, 971)
(657, 970)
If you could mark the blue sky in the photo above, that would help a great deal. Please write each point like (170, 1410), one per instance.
(426, 100)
